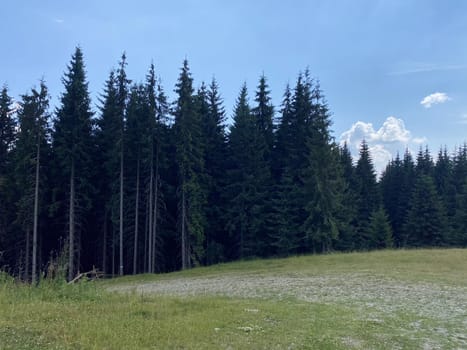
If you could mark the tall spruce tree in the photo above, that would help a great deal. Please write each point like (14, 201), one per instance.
(248, 173)
(7, 138)
(347, 214)
(458, 235)
(72, 149)
(264, 113)
(215, 152)
(368, 195)
(107, 137)
(122, 99)
(32, 152)
(323, 179)
(190, 169)
(425, 224)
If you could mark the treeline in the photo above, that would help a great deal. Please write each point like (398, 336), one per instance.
(149, 185)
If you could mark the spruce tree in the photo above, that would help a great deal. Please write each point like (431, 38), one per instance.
(107, 137)
(347, 214)
(425, 224)
(7, 138)
(264, 113)
(459, 182)
(323, 179)
(73, 148)
(379, 230)
(212, 114)
(249, 179)
(32, 152)
(122, 97)
(190, 168)
(368, 199)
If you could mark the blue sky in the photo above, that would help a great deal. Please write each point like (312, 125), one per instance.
(376, 60)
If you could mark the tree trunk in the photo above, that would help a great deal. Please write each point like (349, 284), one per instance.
(156, 210)
(71, 223)
(104, 245)
(121, 210)
(28, 243)
(135, 245)
(150, 235)
(184, 262)
(36, 214)
(146, 237)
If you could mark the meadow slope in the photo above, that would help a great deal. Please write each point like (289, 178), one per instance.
(415, 299)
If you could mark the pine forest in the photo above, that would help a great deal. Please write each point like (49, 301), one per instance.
(144, 184)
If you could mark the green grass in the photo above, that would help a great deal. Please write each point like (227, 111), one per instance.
(86, 316)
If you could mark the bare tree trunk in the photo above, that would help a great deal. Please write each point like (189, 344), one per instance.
(150, 235)
(36, 214)
(156, 210)
(113, 252)
(104, 245)
(184, 260)
(28, 243)
(146, 237)
(71, 222)
(121, 210)
(135, 245)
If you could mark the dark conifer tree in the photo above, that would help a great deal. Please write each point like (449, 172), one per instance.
(190, 170)
(425, 224)
(215, 152)
(368, 195)
(72, 149)
(379, 230)
(323, 179)
(249, 175)
(347, 214)
(7, 209)
(108, 136)
(31, 157)
(458, 235)
(264, 113)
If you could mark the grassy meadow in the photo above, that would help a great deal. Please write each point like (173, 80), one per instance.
(415, 299)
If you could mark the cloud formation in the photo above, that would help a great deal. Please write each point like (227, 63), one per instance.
(405, 68)
(434, 99)
(384, 143)
(59, 20)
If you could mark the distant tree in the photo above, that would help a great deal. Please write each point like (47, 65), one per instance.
(425, 164)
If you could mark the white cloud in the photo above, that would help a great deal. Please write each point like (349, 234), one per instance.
(59, 20)
(404, 68)
(384, 143)
(434, 99)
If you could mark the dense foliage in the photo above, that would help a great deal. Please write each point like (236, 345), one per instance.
(144, 185)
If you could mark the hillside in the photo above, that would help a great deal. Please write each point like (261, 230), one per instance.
(379, 300)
